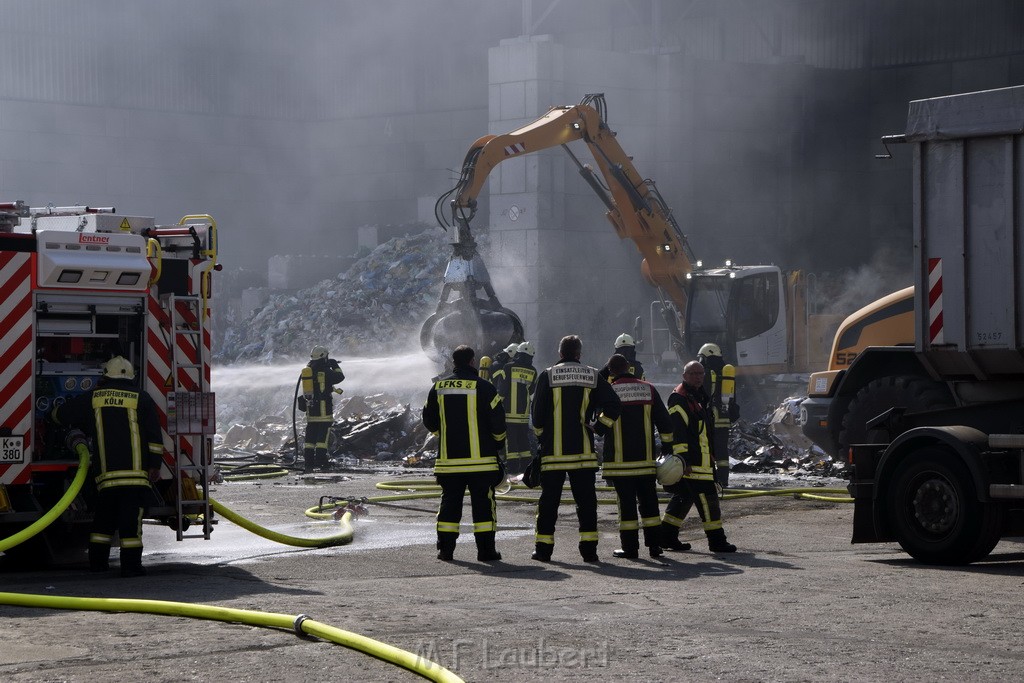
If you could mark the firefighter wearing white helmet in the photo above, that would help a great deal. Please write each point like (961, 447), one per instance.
(625, 346)
(125, 427)
(318, 379)
(696, 488)
(515, 382)
(500, 360)
(720, 386)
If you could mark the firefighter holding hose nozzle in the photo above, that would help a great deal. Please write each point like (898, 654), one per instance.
(318, 379)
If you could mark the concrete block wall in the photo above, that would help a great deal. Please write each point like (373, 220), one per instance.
(553, 256)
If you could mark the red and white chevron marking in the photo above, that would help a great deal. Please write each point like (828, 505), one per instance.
(16, 411)
(935, 334)
(517, 148)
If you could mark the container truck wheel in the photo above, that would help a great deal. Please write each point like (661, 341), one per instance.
(935, 514)
(873, 399)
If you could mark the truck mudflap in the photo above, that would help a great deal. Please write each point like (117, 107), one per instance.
(866, 527)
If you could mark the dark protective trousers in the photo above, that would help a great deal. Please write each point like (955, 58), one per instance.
(631, 493)
(686, 494)
(517, 447)
(720, 438)
(482, 502)
(118, 509)
(314, 449)
(583, 492)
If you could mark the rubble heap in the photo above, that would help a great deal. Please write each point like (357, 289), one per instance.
(378, 303)
(366, 428)
(380, 428)
(775, 444)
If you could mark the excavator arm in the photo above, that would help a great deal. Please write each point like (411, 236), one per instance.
(634, 206)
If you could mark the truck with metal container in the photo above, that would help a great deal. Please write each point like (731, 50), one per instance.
(946, 480)
(79, 285)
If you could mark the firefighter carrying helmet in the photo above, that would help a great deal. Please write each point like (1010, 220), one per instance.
(670, 469)
(710, 349)
(527, 348)
(318, 352)
(118, 367)
(624, 340)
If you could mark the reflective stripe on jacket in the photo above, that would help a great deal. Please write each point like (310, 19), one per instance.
(125, 426)
(690, 433)
(569, 395)
(629, 444)
(467, 415)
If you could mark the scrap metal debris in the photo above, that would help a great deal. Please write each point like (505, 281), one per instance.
(381, 429)
(775, 444)
(378, 303)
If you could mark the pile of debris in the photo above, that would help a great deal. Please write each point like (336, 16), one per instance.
(375, 428)
(381, 428)
(775, 445)
(379, 303)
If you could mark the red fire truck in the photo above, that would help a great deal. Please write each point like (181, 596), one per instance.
(79, 285)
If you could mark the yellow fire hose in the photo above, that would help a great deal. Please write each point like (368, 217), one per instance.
(58, 509)
(300, 624)
(426, 489)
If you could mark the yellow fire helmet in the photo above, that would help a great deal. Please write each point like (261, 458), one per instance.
(118, 367)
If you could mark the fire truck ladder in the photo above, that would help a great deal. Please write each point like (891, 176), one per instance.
(190, 413)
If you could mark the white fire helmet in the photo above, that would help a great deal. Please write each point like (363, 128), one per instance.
(318, 352)
(118, 367)
(710, 349)
(527, 348)
(511, 349)
(624, 340)
(670, 469)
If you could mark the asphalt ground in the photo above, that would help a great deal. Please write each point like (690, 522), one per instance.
(798, 602)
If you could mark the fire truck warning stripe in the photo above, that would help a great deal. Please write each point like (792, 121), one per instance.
(15, 356)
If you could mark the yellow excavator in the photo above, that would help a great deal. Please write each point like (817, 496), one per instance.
(756, 314)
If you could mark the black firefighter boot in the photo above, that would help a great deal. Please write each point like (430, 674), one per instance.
(542, 552)
(652, 539)
(717, 542)
(131, 562)
(588, 551)
(630, 541)
(99, 557)
(446, 545)
(670, 538)
(485, 551)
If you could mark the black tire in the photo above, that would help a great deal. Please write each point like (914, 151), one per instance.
(935, 514)
(905, 391)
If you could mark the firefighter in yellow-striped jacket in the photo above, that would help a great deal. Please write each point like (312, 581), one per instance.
(629, 457)
(691, 430)
(127, 451)
(516, 382)
(318, 380)
(466, 414)
(568, 398)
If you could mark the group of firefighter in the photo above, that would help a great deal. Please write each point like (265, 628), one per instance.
(482, 418)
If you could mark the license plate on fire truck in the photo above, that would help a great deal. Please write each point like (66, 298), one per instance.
(12, 449)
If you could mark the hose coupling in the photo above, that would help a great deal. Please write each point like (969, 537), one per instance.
(297, 625)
